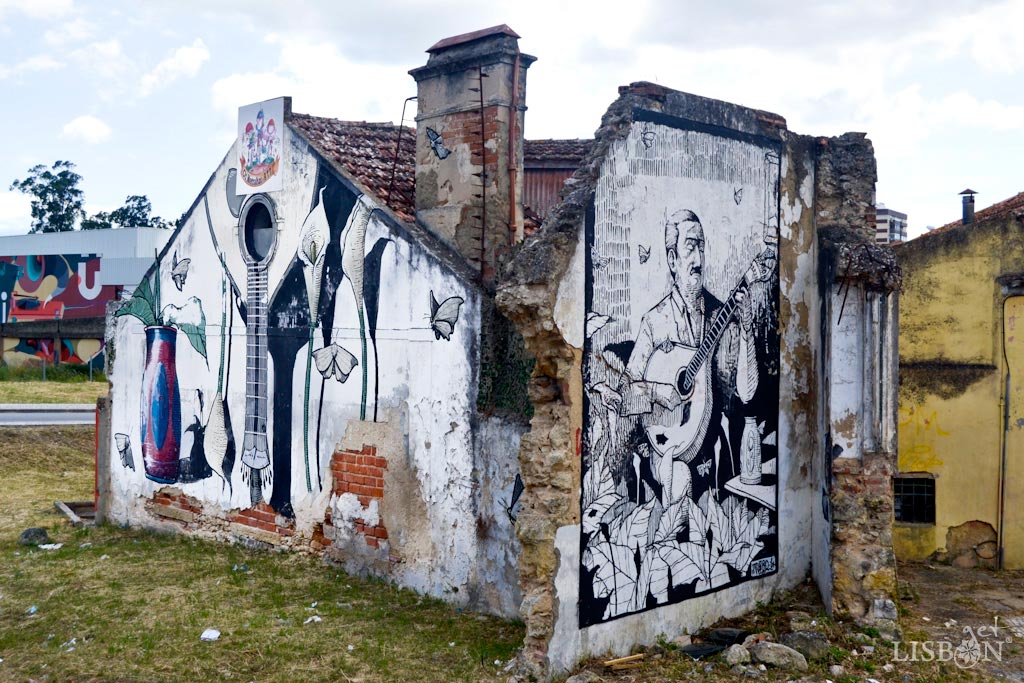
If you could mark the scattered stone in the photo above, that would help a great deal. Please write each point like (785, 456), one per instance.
(885, 609)
(756, 638)
(736, 654)
(888, 668)
(585, 677)
(862, 638)
(868, 649)
(33, 536)
(746, 671)
(682, 641)
(889, 630)
(798, 621)
(728, 636)
(778, 656)
(811, 644)
(836, 670)
(907, 591)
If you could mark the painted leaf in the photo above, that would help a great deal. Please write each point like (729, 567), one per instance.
(139, 308)
(190, 320)
(616, 574)
(634, 528)
(686, 561)
(334, 361)
(673, 520)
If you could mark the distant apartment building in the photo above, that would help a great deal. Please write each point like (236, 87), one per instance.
(890, 226)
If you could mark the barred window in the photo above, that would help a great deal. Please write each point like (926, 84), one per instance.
(914, 499)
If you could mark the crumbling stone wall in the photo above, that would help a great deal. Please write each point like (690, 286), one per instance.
(542, 294)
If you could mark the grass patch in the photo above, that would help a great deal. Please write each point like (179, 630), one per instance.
(23, 391)
(132, 604)
(32, 371)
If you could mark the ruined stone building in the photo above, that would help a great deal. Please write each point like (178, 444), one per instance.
(960, 487)
(671, 400)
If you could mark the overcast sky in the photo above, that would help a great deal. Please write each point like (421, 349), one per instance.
(143, 96)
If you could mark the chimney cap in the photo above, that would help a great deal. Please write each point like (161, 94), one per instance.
(499, 30)
(969, 191)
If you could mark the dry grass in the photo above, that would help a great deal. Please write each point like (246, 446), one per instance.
(124, 605)
(52, 392)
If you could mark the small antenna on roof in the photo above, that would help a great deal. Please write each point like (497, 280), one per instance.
(398, 147)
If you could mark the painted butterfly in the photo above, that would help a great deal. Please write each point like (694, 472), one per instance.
(179, 271)
(437, 144)
(124, 449)
(644, 252)
(443, 316)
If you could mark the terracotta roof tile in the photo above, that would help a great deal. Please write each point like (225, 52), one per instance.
(571, 151)
(366, 151)
(1008, 207)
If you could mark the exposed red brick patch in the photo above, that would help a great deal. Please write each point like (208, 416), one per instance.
(361, 472)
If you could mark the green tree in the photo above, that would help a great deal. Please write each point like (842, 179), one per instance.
(137, 212)
(57, 200)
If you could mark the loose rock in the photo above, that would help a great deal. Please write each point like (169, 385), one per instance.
(728, 636)
(756, 638)
(798, 621)
(585, 677)
(836, 670)
(810, 644)
(736, 654)
(34, 536)
(778, 656)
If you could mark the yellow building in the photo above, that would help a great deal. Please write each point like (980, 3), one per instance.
(960, 487)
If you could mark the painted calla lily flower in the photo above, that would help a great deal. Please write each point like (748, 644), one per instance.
(313, 239)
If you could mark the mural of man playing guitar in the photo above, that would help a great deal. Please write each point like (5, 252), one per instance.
(693, 359)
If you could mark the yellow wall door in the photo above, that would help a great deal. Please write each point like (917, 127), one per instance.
(1013, 481)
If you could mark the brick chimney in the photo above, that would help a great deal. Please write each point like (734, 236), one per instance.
(469, 144)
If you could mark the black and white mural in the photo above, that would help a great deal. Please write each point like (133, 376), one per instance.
(681, 357)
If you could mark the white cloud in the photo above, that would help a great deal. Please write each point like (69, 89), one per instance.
(37, 9)
(321, 81)
(991, 37)
(87, 129)
(15, 213)
(70, 32)
(183, 63)
(106, 63)
(32, 64)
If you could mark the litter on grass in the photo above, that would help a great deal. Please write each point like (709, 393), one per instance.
(312, 620)
(50, 546)
(210, 635)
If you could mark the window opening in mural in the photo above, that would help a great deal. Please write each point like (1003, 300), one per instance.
(681, 358)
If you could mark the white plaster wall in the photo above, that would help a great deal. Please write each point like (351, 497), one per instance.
(846, 369)
(427, 395)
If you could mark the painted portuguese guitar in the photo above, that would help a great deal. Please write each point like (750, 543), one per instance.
(679, 432)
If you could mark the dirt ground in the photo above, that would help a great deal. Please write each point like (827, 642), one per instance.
(961, 607)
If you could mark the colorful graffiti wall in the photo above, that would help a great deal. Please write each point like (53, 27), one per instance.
(681, 369)
(52, 287)
(297, 361)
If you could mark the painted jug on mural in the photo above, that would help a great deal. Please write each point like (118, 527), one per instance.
(160, 406)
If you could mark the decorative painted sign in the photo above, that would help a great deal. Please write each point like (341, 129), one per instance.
(260, 127)
(681, 359)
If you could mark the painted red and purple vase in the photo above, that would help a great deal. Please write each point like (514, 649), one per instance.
(161, 406)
